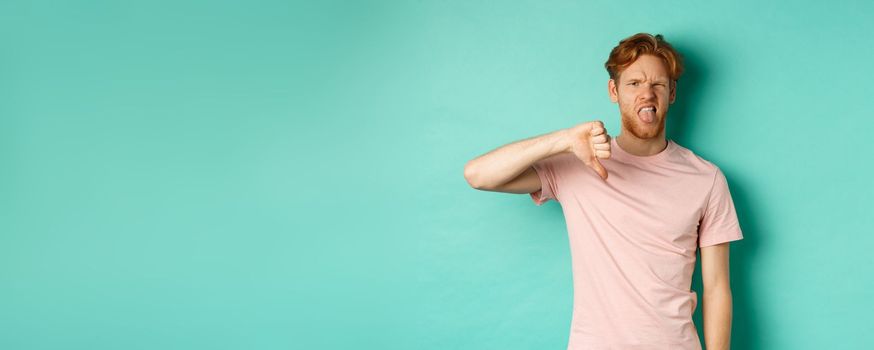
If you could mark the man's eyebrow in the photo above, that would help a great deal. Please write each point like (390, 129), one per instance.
(658, 80)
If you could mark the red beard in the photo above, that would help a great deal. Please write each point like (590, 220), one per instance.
(640, 130)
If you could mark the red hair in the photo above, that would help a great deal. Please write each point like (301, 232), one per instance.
(630, 48)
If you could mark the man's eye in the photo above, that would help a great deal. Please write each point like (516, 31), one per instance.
(633, 83)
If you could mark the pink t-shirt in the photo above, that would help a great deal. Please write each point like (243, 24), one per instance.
(633, 240)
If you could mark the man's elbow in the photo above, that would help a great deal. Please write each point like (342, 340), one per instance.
(718, 291)
(470, 175)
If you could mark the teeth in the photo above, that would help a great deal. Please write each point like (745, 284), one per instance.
(652, 109)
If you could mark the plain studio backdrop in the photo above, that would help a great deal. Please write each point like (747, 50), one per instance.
(289, 175)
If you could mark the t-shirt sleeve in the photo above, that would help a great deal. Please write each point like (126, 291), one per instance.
(551, 172)
(719, 223)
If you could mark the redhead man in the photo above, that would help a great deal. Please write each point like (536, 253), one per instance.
(638, 207)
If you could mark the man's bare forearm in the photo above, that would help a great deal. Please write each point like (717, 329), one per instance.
(717, 319)
(503, 164)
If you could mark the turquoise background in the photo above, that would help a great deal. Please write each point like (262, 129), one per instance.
(288, 175)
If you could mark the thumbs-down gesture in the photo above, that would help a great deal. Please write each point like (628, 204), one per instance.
(590, 142)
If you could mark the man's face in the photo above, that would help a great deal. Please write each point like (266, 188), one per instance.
(644, 91)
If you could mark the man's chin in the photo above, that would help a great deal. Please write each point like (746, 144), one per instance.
(645, 135)
(641, 129)
(645, 131)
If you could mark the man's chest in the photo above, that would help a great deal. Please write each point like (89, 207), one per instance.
(651, 208)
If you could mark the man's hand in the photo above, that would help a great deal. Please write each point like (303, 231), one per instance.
(589, 142)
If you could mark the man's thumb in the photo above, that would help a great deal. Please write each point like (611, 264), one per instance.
(596, 164)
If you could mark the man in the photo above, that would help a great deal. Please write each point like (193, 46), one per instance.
(637, 208)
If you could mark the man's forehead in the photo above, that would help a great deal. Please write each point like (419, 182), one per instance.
(640, 74)
(646, 66)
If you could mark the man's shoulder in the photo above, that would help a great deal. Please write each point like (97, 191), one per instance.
(694, 160)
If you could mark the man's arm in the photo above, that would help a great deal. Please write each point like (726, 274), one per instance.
(717, 296)
(500, 169)
(495, 169)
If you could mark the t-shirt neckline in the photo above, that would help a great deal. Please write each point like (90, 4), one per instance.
(652, 158)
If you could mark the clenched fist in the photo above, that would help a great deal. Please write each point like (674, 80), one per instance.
(590, 142)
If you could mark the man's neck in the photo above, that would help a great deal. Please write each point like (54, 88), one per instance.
(641, 147)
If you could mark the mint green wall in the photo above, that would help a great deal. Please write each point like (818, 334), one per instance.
(280, 175)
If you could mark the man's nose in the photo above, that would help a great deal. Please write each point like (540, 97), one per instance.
(648, 92)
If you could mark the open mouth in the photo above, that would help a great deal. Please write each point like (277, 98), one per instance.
(647, 113)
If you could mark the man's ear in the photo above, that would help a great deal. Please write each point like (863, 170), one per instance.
(673, 92)
(612, 89)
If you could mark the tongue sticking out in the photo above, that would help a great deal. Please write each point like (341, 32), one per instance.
(647, 116)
